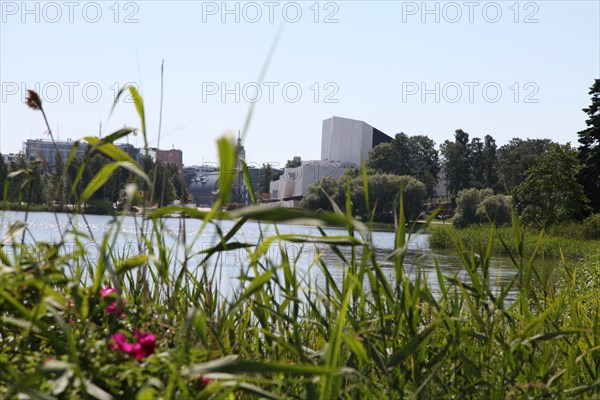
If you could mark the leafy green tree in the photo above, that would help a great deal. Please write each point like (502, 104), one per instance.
(266, 175)
(456, 163)
(589, 149)
(316, 198)
(469, 164)
(490, 162)
(164, 191)
(17, 178)
(407, 155)
(496, 208)
(516, 157)
(3, 173)
(591, 227)
(476, 161)
(425, 163)
(26, 183)
(383, 158)
(404, 154)
(72, 169)
(148, 167)
(36, 191)
(293, 163)
(177, 181)
(384, 196)
(95, 163)
(467, 203)
(482, 162)
(124, 176)
(550, 192)
(58, 192)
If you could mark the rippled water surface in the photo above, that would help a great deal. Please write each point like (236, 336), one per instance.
(42, 226)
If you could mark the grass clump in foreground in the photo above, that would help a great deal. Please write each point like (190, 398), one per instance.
(154, 325)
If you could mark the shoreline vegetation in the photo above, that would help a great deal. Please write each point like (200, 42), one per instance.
(555, 244)
(159, 324)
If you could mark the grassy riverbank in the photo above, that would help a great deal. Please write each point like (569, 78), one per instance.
(569, 242)
(166, 331)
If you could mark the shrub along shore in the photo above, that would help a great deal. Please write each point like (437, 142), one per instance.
(569, 242)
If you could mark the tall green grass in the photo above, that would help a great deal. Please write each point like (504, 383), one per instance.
(279, 335)
(568, 243)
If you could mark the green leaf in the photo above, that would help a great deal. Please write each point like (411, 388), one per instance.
(106, 172)
(232, 364)
(14, 230)
(121, 133)
(131, 263)
(139, 106)
(227, 167)
(254, 286)
(330, 383)
(410, 347)
(248, 182)
(60, 384)
(96, 391)
(99, 180)
(108, 149)
(19, 323)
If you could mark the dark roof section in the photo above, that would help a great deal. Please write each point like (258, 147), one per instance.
(380, 137)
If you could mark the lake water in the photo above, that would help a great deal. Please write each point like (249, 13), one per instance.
(48, 227)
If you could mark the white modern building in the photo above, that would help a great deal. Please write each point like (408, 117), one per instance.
(294, 182)
(349, 140)
(344, 144)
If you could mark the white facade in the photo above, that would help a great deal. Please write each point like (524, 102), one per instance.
(346, 140)
(441, 189)
(294, 182)
(344, 144)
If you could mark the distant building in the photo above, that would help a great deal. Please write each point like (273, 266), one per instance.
(441, 189)
(349, 140)
(130, 149)
(10, 157)
(344, 144)
(45, 150)
(204, 182)
(173, 156)
(294, 183)
(191, 172)
(204, 189)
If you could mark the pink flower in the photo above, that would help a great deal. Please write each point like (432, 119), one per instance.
(120, 342)
(204, 382)
(147, 343)
(107, 291)
(114, 307)
(143, 347)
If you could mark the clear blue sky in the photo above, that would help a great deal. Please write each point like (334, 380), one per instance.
(374, 61)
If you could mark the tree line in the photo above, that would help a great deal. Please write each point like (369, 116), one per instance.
(546, 182)
(34, 182)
